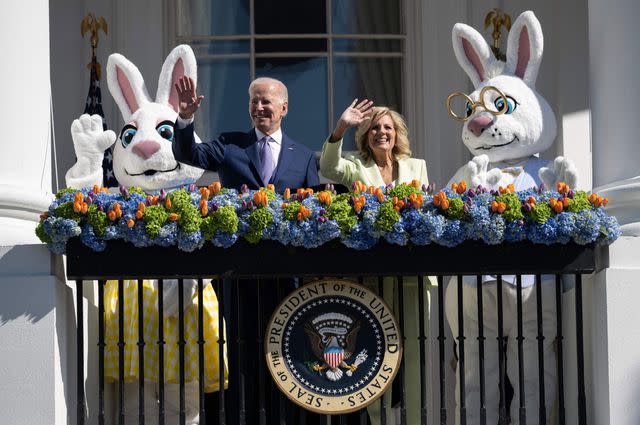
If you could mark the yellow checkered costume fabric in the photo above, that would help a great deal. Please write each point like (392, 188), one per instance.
(211, 332)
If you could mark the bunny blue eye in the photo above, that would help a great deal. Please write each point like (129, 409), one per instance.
(511, 104)
(165, 130)
(126, 135)
(468, 110)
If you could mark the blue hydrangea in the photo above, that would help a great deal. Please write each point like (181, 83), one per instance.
(359, 238)
(587, 227)
(609, 226)
(189, 242)
(515, 231)
(494, 231)
(167, 235)
(566, 225)
(88, 238)
(398, 235)
(546, 233)
(455, 232)
(224, 239)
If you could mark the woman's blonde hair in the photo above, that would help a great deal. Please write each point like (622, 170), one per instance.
(401, 149)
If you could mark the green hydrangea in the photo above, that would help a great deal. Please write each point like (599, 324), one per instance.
(342, 212)
(403, 191)
(62, 192)
(456, 209)
(223, 219)
(271, 195)
(137, 190)
(179, 199)
(579, 202)
(42, 235)
(290, 212)
(97, 219)
(387, 217)
(514, 206)
(66, 211)
(154, 217)
(541, 212)
(259, 219)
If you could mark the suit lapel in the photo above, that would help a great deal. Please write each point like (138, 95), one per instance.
(253, 152)
(286, 156)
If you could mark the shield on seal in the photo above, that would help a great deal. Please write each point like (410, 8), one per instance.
(333, 356)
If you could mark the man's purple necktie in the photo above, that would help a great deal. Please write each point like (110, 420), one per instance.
(266, 159)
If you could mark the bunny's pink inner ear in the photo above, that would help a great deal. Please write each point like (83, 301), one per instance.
(127, 90)
(524, 52)
(473, 58)
(178, 72)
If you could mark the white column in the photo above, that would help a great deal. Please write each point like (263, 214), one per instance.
(25, 154)
(614, 92)
(34, 320)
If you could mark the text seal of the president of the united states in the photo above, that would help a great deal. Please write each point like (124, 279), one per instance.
(333, 346)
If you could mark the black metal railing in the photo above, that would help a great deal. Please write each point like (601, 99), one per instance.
(272, 267)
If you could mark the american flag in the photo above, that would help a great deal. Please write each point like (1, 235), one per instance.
(333, 356)
(94, 106)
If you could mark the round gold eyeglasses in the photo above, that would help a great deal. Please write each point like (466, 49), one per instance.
(486, 94)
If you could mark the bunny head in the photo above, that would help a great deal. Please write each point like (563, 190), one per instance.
(528, 126)
(142, 155)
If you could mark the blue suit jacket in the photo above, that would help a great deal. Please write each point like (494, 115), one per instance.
(236, 158)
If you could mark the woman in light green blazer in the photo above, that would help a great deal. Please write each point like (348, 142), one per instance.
(383, 144)
(384, 158)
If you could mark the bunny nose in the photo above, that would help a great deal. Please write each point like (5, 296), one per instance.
(146, 148)
(478, 124)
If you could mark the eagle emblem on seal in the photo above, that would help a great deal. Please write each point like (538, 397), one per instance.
(333, 339)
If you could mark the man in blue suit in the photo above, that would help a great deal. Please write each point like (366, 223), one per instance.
(256, 158)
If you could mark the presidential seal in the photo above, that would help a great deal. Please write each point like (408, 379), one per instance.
(333, 346)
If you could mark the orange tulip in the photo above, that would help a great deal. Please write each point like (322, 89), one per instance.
(205, 193)
(415, 184)
(139, 214)
(459, 188)
(130, 223)
(260, 198)
(215, 188)
(287, 194)
(173, 217)
(167, 203)
(204, 210)
(556, 205)
(112, 215)
(271, 187)
(562, 188)
(84, 208)
(531, 200)
(565, 202)
(498, 207)
(77, 206)
(324, 197)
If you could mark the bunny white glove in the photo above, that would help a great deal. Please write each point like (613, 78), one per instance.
(170, 295)
(476, 172)
(89, 142)
(563, 170)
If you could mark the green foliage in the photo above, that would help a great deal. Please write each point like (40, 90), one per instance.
(97, 219)
(514, 206)
(154, 217)
(456, 209)
(66, 211)
(137, 190)
(387, 217)
(290, 212)
(179, 199)
(223, 219)
(62, 192)
(342, 212)
(403, 191)
(42, 235)
(579, 202)
(541, 212)
(259, 219)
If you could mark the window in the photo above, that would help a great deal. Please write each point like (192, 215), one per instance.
(327, 52)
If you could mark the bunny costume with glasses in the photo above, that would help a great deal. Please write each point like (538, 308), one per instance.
(506, 124)
(143, 157)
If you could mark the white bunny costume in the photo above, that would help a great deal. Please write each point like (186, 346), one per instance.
(143, 157)
(504, 146)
